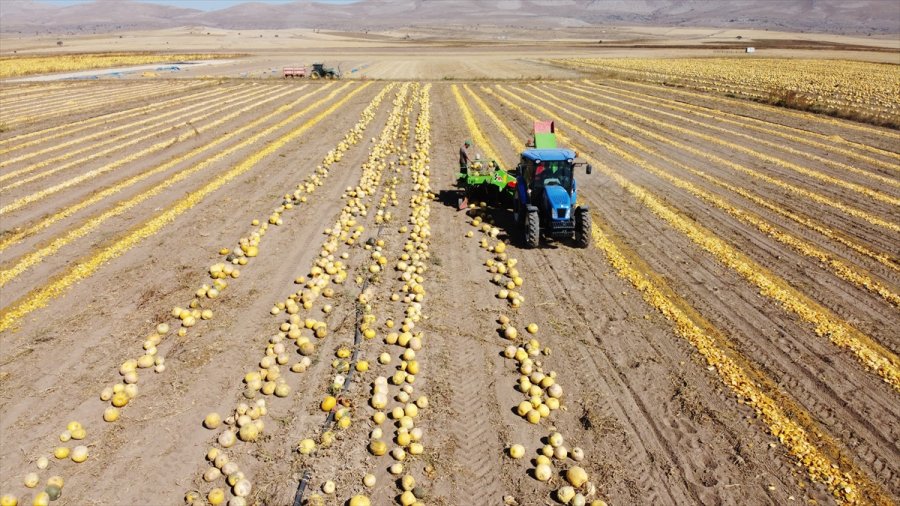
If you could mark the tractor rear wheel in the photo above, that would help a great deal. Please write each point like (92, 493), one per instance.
(582, 227)
(532, 228)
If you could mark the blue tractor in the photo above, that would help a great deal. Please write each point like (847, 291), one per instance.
(546, 192)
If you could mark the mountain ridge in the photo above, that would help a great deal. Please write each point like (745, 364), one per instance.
(825, 16)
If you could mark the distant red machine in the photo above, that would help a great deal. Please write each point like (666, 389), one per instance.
(294, 72)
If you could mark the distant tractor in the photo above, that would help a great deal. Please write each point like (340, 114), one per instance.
(320, 71)
(546, 192)
(294, 72)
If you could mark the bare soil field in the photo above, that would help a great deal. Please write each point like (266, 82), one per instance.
(289, 255)
(470, 52)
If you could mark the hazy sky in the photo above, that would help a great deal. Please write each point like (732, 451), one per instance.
(206, 5)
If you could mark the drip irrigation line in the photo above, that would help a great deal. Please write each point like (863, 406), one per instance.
(329, 420)
(301, 487)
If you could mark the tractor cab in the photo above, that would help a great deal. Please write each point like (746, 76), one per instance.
(543, 168)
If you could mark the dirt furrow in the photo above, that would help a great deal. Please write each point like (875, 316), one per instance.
(35, 257)
(22, 141)
(194, 363)
(813, 143)
(707, 445)
(861, 408)
(470, 451)
(28, 125)
(620, 209)
(846, 133)
(45, 221)
(837, 266)
(674, 445)
(788, 161)
(105, 135)
(34, 112)
(845, 202)
(191, 117)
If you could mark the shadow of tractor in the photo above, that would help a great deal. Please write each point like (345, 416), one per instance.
(494, 210)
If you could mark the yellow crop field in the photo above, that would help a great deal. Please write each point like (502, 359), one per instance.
(866, 89)
(276, 291)
(14, 66)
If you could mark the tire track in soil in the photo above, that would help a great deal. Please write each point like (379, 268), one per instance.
(848, 413)
(643, 443)
(471, 442)
(804, 369)
(739, 451)
(667, 447)
(807, 370)
(701, 470)
(475, 437)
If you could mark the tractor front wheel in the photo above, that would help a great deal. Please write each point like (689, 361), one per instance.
(582, 227)
(532, 228)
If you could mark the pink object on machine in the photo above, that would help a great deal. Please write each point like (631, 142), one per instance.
(544, 127)
(294, 71)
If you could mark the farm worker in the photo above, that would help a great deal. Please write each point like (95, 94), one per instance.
(463, 173)
(464, 157)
